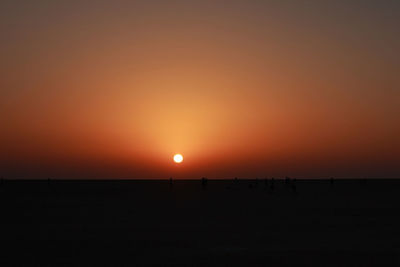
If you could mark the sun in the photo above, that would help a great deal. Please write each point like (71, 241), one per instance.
(178, 158)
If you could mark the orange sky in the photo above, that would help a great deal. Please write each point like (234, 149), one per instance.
(248, 89)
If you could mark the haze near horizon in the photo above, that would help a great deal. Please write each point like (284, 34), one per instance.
(240, 88)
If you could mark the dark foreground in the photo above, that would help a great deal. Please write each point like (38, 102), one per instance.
(226, 223)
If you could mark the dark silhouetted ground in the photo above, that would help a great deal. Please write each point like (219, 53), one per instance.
(221, 223)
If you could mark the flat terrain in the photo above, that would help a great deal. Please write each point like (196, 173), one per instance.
(225, 223)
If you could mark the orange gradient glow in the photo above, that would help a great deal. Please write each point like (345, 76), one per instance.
(246, 89)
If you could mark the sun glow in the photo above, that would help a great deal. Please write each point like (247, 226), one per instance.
(178, 158)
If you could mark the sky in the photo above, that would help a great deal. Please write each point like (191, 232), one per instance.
(252, 89)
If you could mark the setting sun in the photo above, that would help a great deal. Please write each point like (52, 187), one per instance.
(178, 158)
